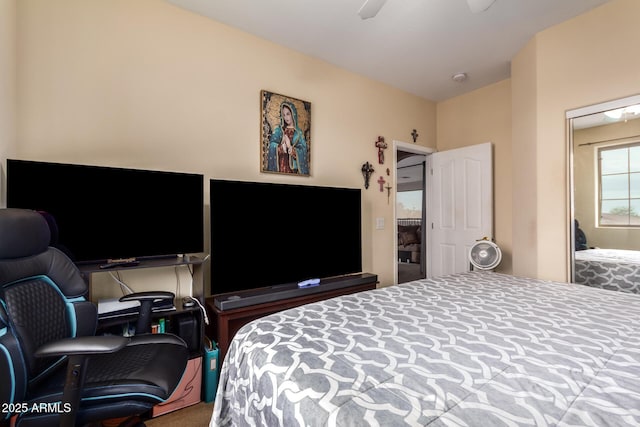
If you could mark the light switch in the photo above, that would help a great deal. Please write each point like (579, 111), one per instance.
(379, 223)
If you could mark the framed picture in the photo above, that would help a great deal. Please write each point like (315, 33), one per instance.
(286, 134)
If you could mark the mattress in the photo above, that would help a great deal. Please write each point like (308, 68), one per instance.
(612, 269)
(471, 349)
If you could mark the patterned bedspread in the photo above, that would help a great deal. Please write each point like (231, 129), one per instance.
(473, 349)
(613, 269)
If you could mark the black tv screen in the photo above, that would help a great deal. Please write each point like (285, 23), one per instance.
(105, 213)
(266, 234)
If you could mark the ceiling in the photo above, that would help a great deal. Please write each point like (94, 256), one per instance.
(413, 45)
(631, 112)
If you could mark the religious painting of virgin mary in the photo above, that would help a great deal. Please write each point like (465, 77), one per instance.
(286, 134)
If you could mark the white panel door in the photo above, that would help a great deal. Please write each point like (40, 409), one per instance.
(460, 206)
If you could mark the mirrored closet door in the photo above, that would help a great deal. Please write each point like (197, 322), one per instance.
(604, 148)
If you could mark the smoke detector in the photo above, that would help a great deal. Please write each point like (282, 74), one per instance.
(459, 77)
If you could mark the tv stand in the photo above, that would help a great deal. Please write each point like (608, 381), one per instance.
(230, 312)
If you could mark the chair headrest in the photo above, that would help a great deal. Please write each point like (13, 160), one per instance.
(53, 227)
(23, 233)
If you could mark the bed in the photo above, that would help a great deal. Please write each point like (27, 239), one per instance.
(471, 349)
(613, 269)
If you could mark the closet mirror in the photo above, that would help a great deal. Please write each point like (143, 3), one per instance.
(604, 148)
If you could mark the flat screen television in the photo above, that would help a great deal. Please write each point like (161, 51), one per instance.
(269, 234)
(106, 213)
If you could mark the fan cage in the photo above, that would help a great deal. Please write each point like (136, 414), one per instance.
(485, 255)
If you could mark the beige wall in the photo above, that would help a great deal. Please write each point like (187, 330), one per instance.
(524, 161)
(7, 87)
(584, 61)
(585, 145)
(145, 84)
(484, 115)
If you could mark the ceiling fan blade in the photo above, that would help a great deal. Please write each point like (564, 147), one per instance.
(370, 8)
(478, 6)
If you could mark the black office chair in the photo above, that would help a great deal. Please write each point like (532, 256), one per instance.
(53, 370)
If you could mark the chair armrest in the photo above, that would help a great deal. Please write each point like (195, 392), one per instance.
(82, 346)
(147, 299)
(77, 351)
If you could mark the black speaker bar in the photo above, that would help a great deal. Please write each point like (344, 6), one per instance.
(292, 290)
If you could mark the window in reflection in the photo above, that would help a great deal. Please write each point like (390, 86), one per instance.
(619, 185)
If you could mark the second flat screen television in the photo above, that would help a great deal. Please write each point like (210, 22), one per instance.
(267, 234)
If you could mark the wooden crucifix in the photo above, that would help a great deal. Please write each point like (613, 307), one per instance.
(381, 181)
(381, 146)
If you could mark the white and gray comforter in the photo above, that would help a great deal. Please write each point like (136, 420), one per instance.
(613, 269)
(473, 349)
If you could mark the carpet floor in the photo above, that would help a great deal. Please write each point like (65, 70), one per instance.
(197, 415)
(408, 272)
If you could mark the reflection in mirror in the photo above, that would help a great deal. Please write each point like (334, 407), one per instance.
(410, 200)
(606, 198)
